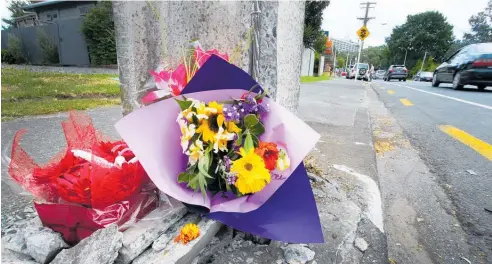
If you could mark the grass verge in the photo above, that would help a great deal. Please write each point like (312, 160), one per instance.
(308, 79)
(12, 110)
(37, 93)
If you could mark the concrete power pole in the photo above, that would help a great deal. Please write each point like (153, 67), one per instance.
(143, 41)
(365, 19)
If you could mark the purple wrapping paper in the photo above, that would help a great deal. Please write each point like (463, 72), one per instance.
(288, 214)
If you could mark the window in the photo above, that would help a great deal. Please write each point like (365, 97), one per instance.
(51, 16)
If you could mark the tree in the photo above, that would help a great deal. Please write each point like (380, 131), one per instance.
(340, 61)
(15, 9)
(313, 17)
(377, 56)
(425, 32)
(320, 43)
(481, 26)
(98, 28)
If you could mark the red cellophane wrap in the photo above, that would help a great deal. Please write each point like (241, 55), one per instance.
(87, 186)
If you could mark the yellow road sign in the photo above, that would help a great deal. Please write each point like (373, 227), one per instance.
(363, 33)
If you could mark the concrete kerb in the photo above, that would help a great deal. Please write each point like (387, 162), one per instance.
(348, 197)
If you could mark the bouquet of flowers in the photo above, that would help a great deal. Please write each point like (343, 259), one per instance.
(87, 186)
(222, 143)
(216, 142)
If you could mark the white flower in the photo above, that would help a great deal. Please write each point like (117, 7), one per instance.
(283, 161)
(195, 152)
(187, 132)
(221, 139)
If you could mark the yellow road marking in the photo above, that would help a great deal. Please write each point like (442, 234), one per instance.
(406, 102)
(391, 92)
(482, 147)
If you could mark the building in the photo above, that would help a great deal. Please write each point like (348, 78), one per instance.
(49, 11)
(345, 45)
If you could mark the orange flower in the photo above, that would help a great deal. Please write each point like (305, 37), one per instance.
(188, 233)
(269, 152)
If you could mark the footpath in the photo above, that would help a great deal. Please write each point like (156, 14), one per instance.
(343, 174)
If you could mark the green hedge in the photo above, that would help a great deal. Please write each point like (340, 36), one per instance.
(98, 28)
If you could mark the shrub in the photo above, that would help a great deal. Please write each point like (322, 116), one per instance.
(98, 28)
(14, 50)
(50, 50)
(7, 57)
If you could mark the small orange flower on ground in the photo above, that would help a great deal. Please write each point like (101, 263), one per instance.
(269, 152)
(188, 233)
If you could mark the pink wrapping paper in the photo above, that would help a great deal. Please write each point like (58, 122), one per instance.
(160, 153)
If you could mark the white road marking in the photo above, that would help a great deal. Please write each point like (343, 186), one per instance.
(374, 209)
(448, 97)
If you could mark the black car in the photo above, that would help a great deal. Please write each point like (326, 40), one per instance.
(470, 65)
(423, 76)
(396, 72)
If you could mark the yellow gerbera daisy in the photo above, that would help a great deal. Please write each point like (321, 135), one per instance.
(252, 176)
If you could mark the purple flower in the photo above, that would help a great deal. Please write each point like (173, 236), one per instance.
(227, 163)
(231, 178)
(263, 107)
(231, 113)
(250, 99)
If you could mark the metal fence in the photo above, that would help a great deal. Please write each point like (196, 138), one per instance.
(65, 34)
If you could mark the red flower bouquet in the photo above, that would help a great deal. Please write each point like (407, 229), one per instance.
(87, 186)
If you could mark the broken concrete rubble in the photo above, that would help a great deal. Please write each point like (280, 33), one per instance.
(139, 237)
(101, 247)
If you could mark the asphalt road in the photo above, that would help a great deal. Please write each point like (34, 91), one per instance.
(452, 131)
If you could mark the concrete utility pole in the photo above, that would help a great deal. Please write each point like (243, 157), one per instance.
(365, 19)
(143, 41)
(423, 62)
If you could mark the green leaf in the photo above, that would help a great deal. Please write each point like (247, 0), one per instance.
(250, 121)
(256, 141)
(254, 125)
(239, 140)
(183, 104)
(204, 165)
(185, 177)
(193, 184)
(202, 182)
(248, 143)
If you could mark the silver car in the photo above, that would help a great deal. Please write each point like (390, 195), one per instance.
(380, 74)
(399, 72)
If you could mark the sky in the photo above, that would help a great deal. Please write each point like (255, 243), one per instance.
(340, 17)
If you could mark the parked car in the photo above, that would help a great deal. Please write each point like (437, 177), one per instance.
(380, 74)
(423, 76)
(361, 70)
(349, 70)
(396, 72)
(470, 65)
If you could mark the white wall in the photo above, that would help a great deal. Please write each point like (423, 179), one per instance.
(307, 67)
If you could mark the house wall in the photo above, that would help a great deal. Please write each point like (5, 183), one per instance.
(307, 67)
(66, 10)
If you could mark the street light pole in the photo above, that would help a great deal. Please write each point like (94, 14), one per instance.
(405, 59)
(422, 66)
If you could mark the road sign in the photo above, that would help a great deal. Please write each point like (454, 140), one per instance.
(363, 33)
